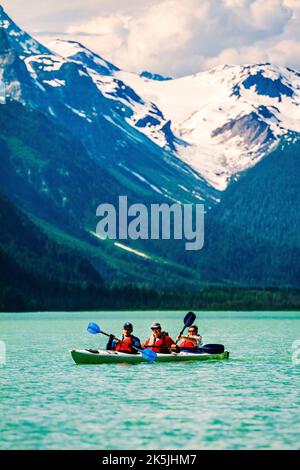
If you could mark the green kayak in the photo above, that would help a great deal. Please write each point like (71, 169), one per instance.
(85, 356)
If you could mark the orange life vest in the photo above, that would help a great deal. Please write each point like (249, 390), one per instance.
(159, 345)
(187, 344)
(124, 346)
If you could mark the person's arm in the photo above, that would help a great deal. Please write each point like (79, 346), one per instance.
(171, 345)
(111, 343)
(145, 343)
(198, 338)
(182, 337)
(136, 342)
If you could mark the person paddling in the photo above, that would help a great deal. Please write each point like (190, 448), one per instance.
(128, 340)
(192, 341)
(159, 341)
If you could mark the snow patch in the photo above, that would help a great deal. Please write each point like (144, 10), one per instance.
(55, 82)
(131, 250)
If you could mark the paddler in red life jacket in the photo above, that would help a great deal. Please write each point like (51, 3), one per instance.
(159, 341)
(128, 340)
(192, 341)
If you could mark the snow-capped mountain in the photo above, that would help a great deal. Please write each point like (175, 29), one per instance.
(73, 91)
(228, 117)
(220, 122)
(78, 53)
(140, 112)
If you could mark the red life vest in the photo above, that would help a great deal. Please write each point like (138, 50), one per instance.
(187, 344)
(159, 345)
(122, 347)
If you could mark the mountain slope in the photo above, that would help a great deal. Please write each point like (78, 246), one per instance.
(270, 191)
(252, 236)
(46, 171)
(29, 246)
(34, 268)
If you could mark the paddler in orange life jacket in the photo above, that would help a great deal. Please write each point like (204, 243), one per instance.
(159, 341)
(192, 341)
(128, 340)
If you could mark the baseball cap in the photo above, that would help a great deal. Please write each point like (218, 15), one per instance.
(155, 325)
(127, 325)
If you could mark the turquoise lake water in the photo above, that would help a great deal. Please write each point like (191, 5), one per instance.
(251, 401)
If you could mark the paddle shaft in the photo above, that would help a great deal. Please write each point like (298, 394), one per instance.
(188, 320)
(180, 334)
(142, 351)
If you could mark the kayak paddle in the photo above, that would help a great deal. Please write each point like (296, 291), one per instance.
(212, 348)
(147, 354)
(187, 322)
(207, 348)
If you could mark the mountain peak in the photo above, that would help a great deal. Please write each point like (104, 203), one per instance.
(67, 48)
(18, 39)
(77, 52)
(4, 18)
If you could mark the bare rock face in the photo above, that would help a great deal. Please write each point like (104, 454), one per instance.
(13, 72)
(250, 128)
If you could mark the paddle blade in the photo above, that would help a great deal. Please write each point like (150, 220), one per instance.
(189, 319)
(213, 348)
(148, 354)
(93, 328)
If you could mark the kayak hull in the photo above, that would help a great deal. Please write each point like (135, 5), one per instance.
(83, 356)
